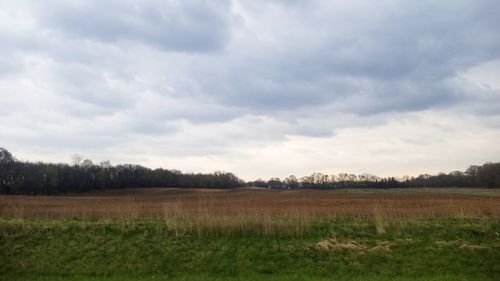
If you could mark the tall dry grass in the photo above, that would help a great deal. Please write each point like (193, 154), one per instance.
(263, 211)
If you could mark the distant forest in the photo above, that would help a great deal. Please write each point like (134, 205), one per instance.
(18, 177)
(486, 175)
(83, 175)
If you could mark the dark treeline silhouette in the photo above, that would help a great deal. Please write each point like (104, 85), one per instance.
(17, 177)
(487, 175)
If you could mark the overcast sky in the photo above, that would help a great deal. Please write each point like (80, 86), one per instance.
(259, 88)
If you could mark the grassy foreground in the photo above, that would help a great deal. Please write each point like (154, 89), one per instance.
(337, 249)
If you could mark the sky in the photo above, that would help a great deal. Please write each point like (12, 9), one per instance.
(258, 88)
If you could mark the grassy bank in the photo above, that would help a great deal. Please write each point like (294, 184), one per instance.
(338, 249)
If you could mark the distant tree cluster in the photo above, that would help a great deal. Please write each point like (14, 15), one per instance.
(487, 175)
(17, 177)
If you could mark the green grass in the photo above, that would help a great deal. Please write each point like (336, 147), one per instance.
(430, 249)
(457, 277)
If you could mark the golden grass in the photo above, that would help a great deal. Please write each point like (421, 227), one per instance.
(266, 211)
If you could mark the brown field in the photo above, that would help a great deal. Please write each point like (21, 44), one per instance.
(268, 210)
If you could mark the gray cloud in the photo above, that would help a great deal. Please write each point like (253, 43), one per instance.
(215, 78)
(185, 26)
(401, 54)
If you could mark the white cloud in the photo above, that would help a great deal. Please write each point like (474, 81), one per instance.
(257, 87)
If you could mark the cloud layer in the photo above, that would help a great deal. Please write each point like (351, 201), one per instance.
(261, 88)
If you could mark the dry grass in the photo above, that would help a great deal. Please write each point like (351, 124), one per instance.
(267, 211)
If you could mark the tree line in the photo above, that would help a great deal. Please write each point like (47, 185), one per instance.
(486, 175)
(18, 177)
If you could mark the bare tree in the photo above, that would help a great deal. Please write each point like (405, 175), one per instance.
(76, 159)
(6, 156)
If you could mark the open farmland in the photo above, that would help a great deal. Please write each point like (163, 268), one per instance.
(243, 204)
(252, 234)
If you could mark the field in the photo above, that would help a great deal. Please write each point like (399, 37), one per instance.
(252, 234)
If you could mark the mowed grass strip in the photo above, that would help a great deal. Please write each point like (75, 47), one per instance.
(336, 249)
